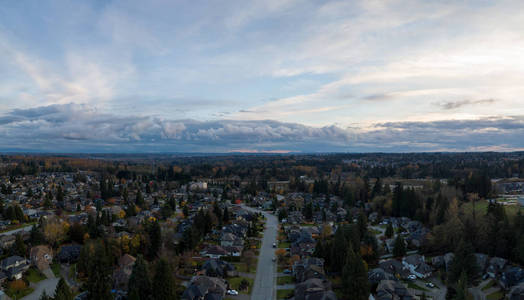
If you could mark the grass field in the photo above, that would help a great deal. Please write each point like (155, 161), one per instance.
(412, 285)
(285, 280)
(481, 207)
(284, 294)
(489, 285)
(18, 294)
(55, 267)
(242, 267)
(34, 275)
(235, 283)
(496, 296)
(284, 245)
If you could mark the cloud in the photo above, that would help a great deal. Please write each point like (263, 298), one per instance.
(449, 105)
(83, 128)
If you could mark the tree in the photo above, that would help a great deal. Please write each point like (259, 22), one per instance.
(155, 239)
(44, 296)
(399, 247)
(355, 277)
(226, 215)
(389, 231)
(249, 259)
(62, 291)
(55, 231)
(463, 262)
(139, 201)
(19, 247)
(281, 254)
(99, 273)
(164, 282)
(140, 281)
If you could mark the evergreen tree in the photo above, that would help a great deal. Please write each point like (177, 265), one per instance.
(164, 282)
(140, 281)
(399, 247)
(226, 215)
(463, 262)
(139, 201)
(155, 239)
(44, 296)
(62, 291)
(389, 231)
(355, 277)
(99, 273)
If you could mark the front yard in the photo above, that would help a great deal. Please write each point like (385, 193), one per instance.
(34, 275)
(236, 284)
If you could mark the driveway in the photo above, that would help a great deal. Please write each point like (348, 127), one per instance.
(49, 285)
(265, 279)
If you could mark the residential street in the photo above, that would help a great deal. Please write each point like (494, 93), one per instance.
(265, 280)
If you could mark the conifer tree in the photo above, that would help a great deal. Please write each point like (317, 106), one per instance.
(164, 282)
(140, 281)
(354, 277)
(62, 291)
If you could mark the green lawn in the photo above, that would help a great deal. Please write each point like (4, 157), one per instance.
(18, 294)
(285, 280)
(496, 296)
(55, 267)
(235, 283)
(412, 285)
(242, 267)
(284, 244)
(375, 232)
(285, 294)
(34, 275)
(489, 285)
(481, 207)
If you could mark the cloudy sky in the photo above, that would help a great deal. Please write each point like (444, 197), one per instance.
(273, 75)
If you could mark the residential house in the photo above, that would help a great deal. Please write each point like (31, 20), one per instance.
(308, 268)
(395, 268)
(314, 289)
(7, 241)
(218, 268)
(417, 265)
(123, 273)
(41, 257)
(376, 275)
(214, 251)
(14, 266)
(393, 290)
(511, 277)
(496, 266)
(69, 253)
(205, 287)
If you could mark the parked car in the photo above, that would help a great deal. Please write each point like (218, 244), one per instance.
(274, 259)
(274, 245)
(412, 277)
(287, 271)
(232, 292)
(430, 285)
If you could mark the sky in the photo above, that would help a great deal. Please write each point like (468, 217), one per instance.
(261, 76)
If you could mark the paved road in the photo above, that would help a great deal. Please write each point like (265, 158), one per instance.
(265, 280)
(26, 228)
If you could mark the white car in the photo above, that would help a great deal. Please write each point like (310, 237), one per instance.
(412, 277)
(232, 292)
